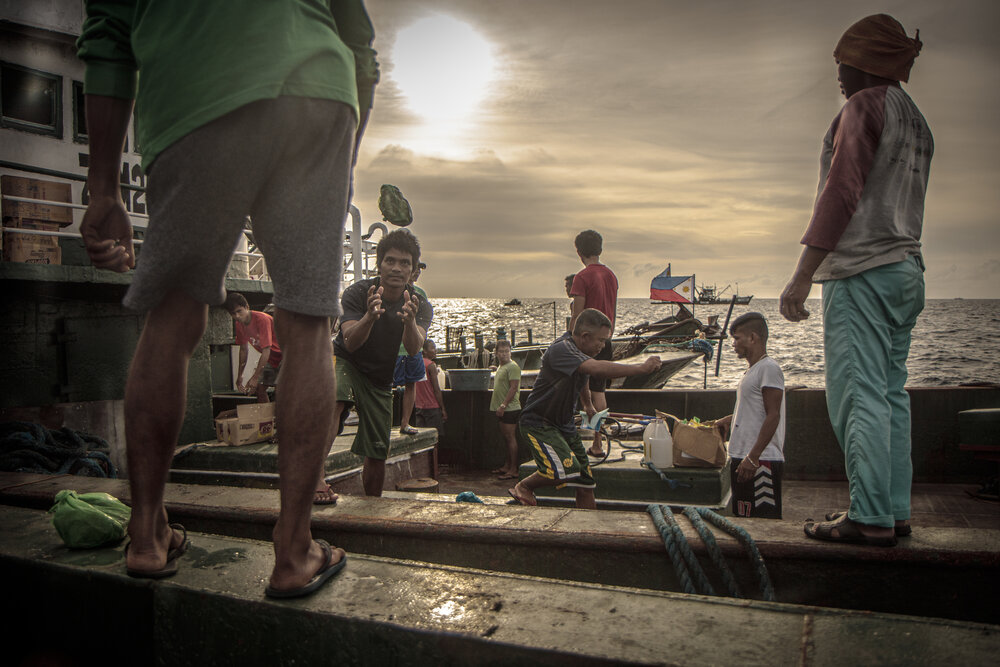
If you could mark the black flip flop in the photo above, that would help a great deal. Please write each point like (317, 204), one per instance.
(321, 577)
(170, 568)
(847, 532)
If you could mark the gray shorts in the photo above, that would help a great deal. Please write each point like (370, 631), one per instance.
(286, 162)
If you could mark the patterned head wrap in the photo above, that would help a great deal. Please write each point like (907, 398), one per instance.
(878, 45)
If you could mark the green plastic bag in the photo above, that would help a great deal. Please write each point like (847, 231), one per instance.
(89, 520)
(394, 207)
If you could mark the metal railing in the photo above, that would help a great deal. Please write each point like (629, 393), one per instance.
(359, 249)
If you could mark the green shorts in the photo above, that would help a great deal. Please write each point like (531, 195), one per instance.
(559, 456)
(374, 408)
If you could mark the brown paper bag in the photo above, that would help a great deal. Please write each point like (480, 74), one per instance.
(696, 445)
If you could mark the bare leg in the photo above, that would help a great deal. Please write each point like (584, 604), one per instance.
(585, 499)
(409, 398)
(373, 476)
(155, 402)
(304, 410)
(600, 403)
(509, 435)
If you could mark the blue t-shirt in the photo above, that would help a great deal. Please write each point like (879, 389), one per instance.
(552, 401)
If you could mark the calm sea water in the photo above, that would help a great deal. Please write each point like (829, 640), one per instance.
(955, 341)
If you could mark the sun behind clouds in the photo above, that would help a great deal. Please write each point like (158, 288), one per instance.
(444, 69)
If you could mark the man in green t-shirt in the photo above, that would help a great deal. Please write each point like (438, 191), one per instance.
(506, 403)
(251, 108)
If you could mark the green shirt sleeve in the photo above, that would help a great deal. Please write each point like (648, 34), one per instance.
(356, 31)
(105, 46)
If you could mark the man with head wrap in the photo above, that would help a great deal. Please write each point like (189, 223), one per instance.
(863, 246)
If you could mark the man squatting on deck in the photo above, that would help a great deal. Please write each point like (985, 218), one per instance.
(378, 314)
(255, 328)
(595, 286)
(547, 417)
(756, 430)
(863, 246)
(229, 126)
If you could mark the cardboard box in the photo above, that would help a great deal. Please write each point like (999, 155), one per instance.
(34, 188)
(32, 248)
(253, 422)
(697, 445)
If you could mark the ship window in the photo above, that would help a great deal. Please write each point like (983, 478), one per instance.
(30, 100)
(79, 114)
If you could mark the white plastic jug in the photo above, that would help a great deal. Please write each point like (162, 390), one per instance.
(657, 445)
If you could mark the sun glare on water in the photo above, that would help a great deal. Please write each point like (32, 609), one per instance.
(444, 69)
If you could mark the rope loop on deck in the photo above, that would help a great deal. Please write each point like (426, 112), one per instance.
(683, 558)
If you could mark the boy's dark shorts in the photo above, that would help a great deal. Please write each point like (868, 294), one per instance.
(409, 369)
(760, 496)
(509, 416)
(559, 456)
(269, 376)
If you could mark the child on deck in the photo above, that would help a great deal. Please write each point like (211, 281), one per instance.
(547, 418)
(757, 429)
(428, 400)
(506, 404)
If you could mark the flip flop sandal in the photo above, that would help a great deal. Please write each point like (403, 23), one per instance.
(321, 577)
(847, 532)
(510, 492)
(325, 497)
(408, 430)
(507, 477)
(170, 568)
(903, 530)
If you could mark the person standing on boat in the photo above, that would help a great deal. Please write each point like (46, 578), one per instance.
(547, 420)
(257, 329)
(250, 108)
(428, 400)
(596, 286)
(378, 314)
(506, 405)
(863, 246)
(409, 369)
(756, 431)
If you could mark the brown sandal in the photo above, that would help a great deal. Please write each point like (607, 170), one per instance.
(901, 529)
(847, 531)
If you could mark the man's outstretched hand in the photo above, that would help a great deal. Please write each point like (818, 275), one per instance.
(107, 235)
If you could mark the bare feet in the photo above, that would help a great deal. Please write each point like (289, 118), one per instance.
(522, 495)
(325, 495)
(295, 577)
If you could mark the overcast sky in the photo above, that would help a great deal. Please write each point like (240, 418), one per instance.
(684, 132)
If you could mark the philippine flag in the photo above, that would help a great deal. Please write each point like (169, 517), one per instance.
(672, 289)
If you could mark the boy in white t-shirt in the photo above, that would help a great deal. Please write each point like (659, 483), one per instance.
(757, 428)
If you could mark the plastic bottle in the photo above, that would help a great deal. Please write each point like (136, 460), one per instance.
(657, 445)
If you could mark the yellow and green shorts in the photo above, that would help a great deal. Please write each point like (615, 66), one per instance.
(559, 456)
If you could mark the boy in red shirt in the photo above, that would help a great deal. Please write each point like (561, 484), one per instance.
(255, 328)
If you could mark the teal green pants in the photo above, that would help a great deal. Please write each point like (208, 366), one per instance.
(867, 321)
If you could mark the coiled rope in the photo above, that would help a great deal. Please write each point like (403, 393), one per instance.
(683, 558)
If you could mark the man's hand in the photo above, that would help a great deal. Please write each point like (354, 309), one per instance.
(444, 414)
(375, 308)
(410, 306)
(107, 234)
(500, 411)
(793, 299)
(651, 364)
(745, 470)
(251, 386)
